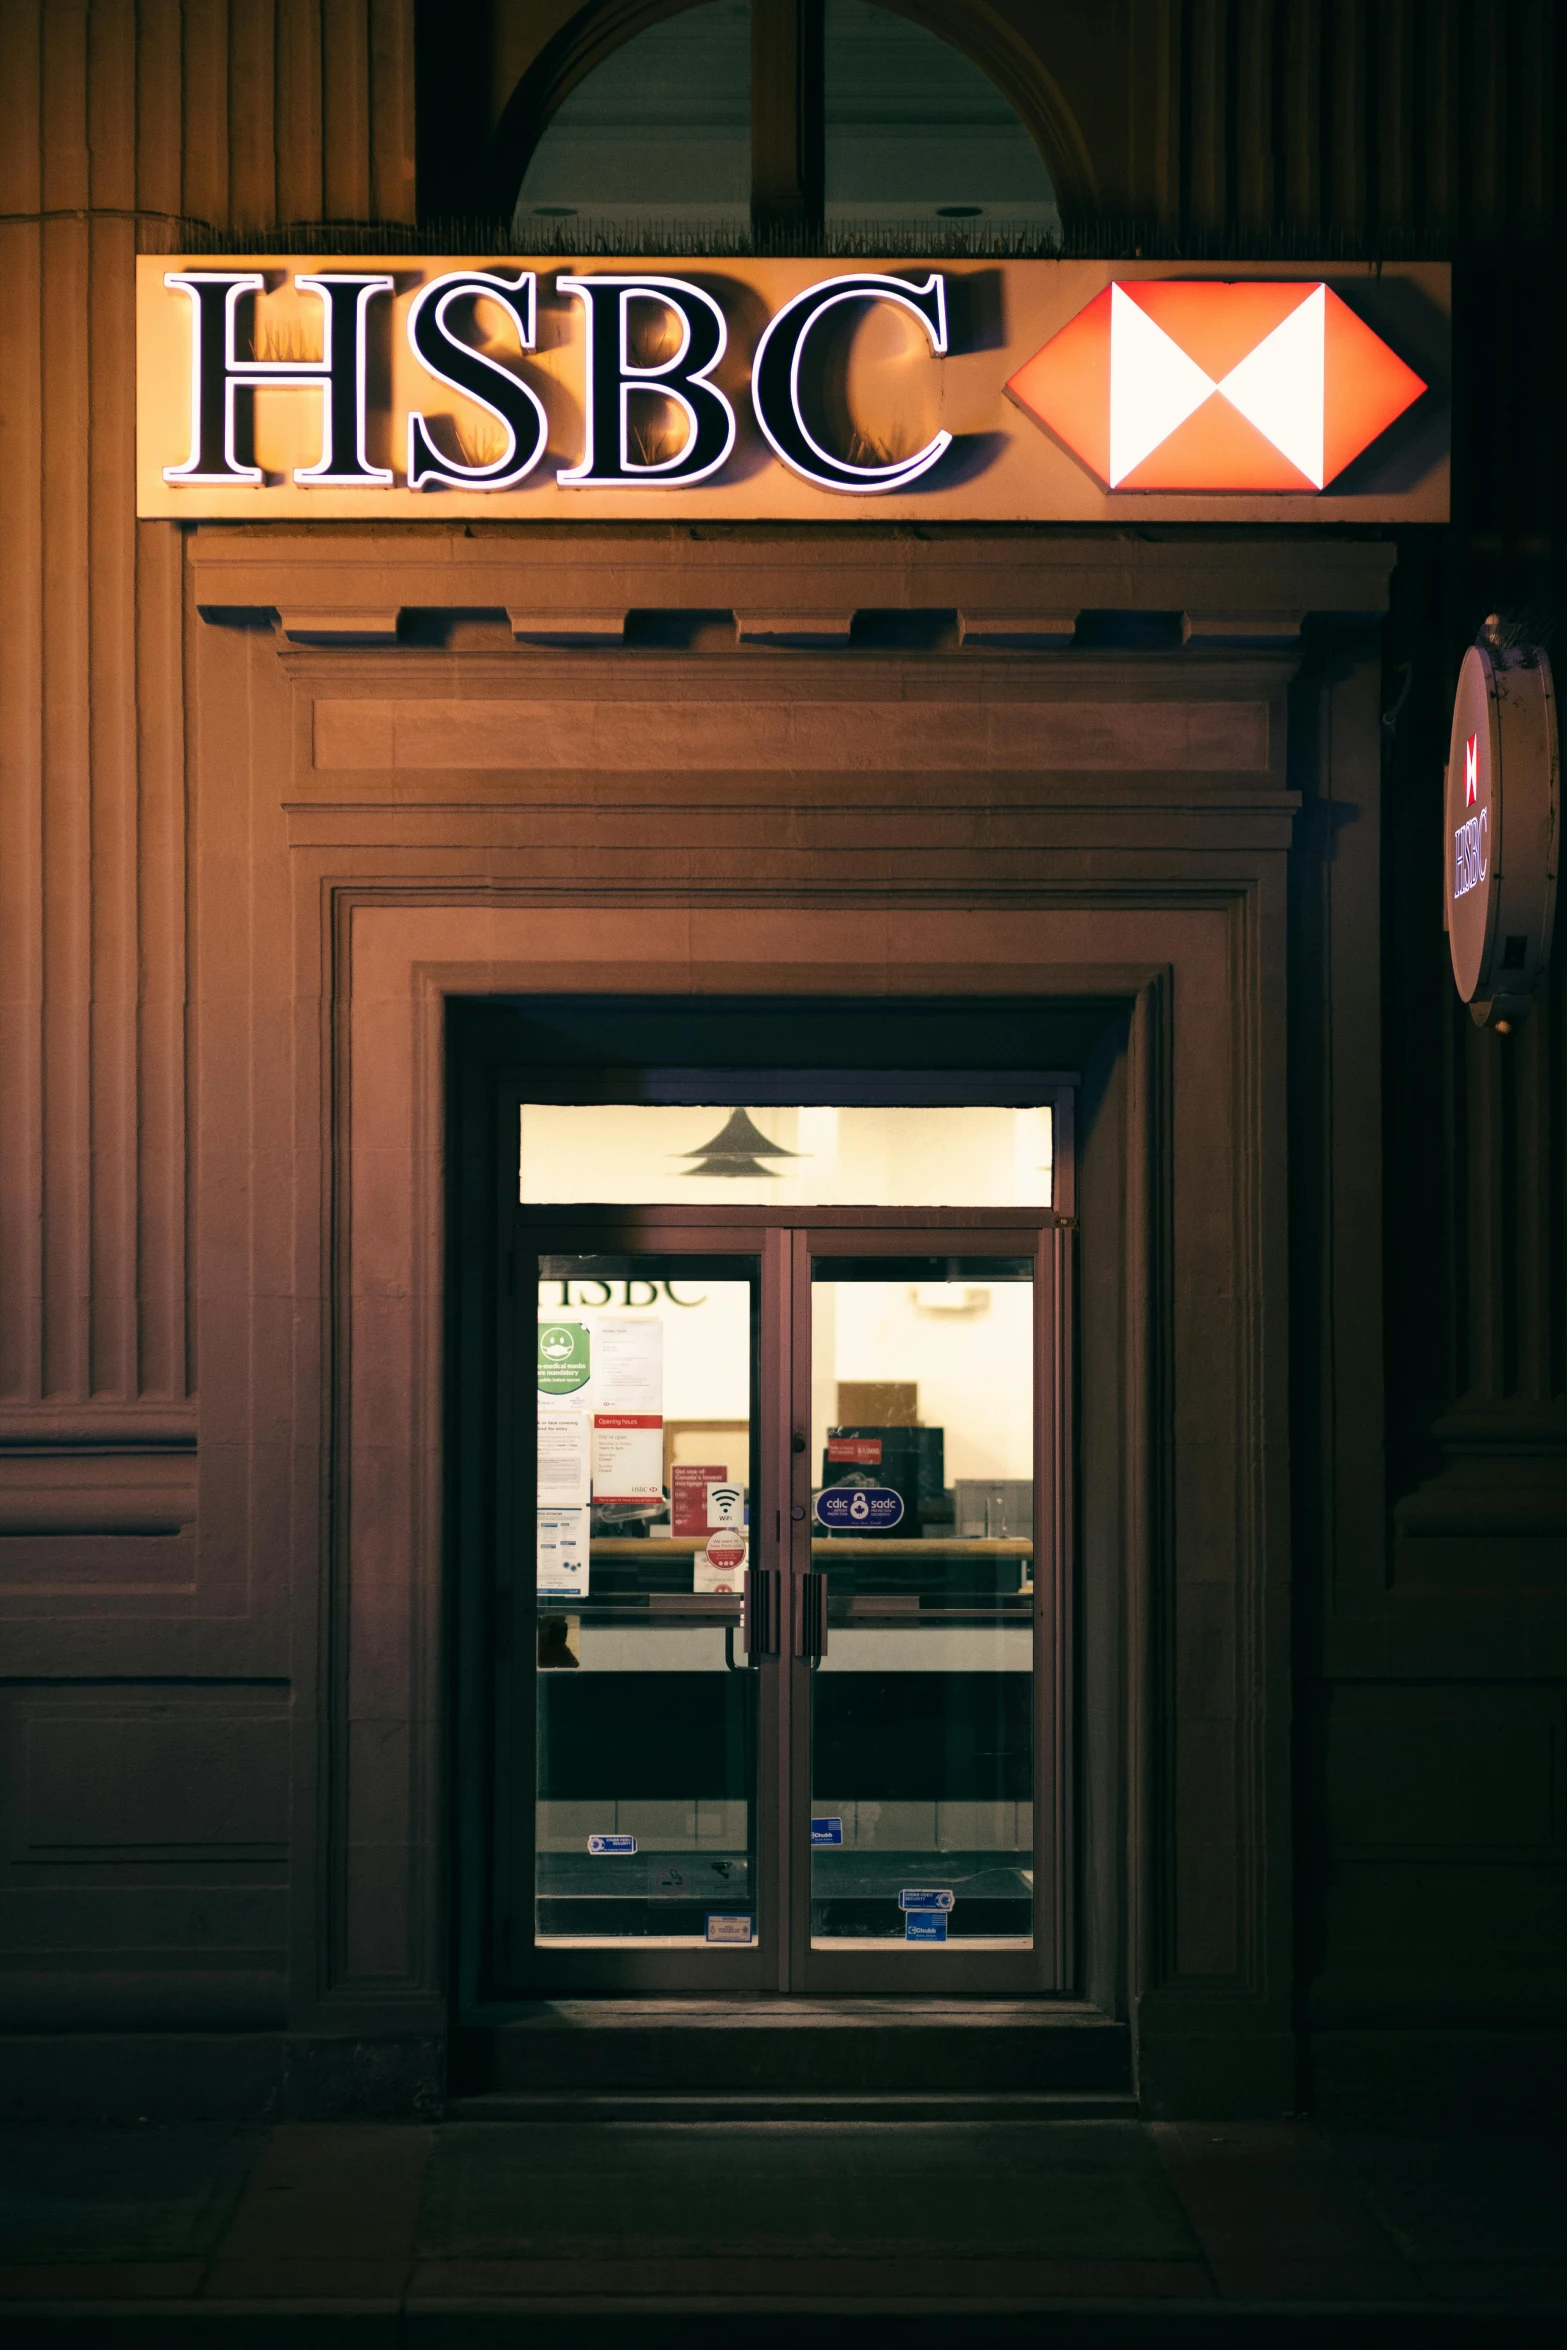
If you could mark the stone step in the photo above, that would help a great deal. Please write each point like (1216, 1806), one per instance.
(512, 2105)
(795, 2048)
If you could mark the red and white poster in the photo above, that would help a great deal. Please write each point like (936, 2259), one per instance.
(863, 1451)
(688, 1499)
(628, 1411)
(721, 1566)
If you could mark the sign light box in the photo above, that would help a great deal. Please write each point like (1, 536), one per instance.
(1031, 391)
(1501, 819)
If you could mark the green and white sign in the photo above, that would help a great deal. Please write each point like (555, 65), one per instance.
(563, 1357)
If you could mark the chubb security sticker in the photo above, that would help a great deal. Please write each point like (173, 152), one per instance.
(925, 1897)
(827, 1831)
(729, 1929)
(611, 1847)
(925, 1925)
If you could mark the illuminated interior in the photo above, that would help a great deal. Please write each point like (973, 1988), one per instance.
(918, 1450)
(812, 1155)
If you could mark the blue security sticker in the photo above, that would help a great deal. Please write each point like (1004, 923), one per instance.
(924, 1897)
(859, 1509)
(729, 1929)
(925, 1925)
(827, 1831)
(611, 1847)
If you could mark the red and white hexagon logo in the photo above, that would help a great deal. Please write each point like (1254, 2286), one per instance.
(1206, 385)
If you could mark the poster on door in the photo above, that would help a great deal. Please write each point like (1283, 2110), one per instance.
(720, 1567)
(689, 1484)
(564, 1458)
(565, 1360)
(628, 1412)
(564, 1471)
(562, 1554)
(564, 1453)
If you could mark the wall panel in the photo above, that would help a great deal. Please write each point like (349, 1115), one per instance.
(21, 698)
(142, 1855)
(118, 119)
(118, 115)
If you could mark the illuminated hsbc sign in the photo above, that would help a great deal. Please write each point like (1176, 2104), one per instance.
(270, 387)
(781, 402)
(1500, 824)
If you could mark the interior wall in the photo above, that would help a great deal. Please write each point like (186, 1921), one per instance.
(960, 1360)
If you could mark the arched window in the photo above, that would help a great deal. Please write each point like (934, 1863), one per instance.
(659, 134)
(916, 134)
(784, 120)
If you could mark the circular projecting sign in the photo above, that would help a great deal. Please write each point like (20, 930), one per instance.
(1500, 830)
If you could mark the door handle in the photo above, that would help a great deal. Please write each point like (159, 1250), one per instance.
(811, 1622)
(760, 1611)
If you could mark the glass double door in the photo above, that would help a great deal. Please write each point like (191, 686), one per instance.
(788, 1714)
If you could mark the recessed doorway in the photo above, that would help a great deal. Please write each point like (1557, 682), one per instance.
(781, 1554)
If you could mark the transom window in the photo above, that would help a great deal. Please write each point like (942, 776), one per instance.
(731, 124)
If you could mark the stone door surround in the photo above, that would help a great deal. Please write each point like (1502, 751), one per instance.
(1050, 768)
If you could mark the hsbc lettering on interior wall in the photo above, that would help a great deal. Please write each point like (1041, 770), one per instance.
(271, 387)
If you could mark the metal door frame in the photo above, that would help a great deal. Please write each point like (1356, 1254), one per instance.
(930, 1972)
(524, 1969)
(781, 1959)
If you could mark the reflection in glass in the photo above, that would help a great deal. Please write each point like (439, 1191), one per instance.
(922, 1709)
(917, 134)
(657, 136)
(646, 1709)
(654, 144)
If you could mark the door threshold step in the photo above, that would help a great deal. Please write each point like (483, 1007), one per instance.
(773, 2051)
(770, 2010)
(657, 2105)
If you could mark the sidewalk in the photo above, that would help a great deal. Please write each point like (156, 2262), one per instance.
(1098, 2232)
